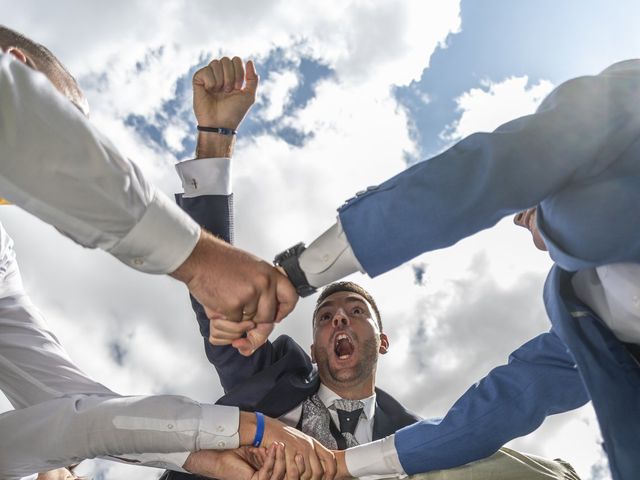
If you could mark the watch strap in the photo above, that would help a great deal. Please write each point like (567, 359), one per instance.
(289, 260)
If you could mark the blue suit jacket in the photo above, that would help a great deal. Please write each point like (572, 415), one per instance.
(578, 159)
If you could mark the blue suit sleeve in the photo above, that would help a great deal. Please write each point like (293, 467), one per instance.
(578, 131)
(540, 379)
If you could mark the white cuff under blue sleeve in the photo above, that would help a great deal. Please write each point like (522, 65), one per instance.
(205, 176)
(329, 258)
(375, 460)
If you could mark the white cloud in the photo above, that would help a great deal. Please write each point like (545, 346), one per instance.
(486, 108)
(276, 92)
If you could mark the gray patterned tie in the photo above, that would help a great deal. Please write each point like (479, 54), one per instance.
(316, 422)
(349, 412)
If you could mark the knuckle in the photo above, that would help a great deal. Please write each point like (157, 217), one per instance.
(235, 304)
(251, 291)
(262, 282)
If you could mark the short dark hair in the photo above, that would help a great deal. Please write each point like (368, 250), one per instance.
(47, 63)
(348, 287)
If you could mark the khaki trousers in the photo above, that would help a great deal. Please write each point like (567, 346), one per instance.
(506, 464)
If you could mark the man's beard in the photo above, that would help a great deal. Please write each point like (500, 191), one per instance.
(361, 371)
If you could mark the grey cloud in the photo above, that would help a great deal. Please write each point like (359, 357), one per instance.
(419, 271)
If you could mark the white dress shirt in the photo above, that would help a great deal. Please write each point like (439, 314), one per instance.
(613, 293)
(364, 429)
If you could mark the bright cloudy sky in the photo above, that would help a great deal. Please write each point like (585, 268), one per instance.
(352, 92)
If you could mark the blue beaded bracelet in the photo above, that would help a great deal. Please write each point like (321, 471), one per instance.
(257, 440)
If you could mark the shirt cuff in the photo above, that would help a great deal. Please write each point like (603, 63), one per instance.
(329, 258)
(205, 176)
(161, 240)
(375, 460)
(219, 428)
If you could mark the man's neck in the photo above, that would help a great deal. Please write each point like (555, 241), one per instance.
(350, 391)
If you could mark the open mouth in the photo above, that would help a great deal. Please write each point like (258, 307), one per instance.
(343, 346)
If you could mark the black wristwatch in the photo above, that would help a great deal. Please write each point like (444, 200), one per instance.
(289, 260)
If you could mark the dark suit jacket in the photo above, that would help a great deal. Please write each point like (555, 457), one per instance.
(279, 375)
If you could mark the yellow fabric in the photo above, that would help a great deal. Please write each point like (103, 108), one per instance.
(4, 202)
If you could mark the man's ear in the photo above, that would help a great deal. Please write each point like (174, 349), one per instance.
(313, 353)
(384, 343)
(17, 53)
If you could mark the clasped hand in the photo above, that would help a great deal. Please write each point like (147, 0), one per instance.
(239, 292)
(289, 454)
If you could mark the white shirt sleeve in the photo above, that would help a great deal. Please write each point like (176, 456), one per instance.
(57, 166)
(91, 426)
(64, 416)
(375, 460)
(329, 258)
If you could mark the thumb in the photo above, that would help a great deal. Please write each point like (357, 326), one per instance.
(251, 78)
(258, 336)
(286, 296)
(255, 338)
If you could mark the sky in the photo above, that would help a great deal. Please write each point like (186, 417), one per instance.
(351, 93)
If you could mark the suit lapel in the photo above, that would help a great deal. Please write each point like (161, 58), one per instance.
(382, 424)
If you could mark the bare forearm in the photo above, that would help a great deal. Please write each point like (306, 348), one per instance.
(215, 145)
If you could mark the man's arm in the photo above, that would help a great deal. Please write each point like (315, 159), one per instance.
(208, 199)
(34, 115)
(58, 167)
(580, 129)
(512, 400)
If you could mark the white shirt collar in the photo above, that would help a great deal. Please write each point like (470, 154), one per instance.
(328, 396)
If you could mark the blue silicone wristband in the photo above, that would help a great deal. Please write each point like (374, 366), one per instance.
(257, 440)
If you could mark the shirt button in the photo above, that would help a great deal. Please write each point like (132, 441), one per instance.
(170, 426)
(138, 261)
(372, 187)
(222, 444)
(220, 428)
(360, 193)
